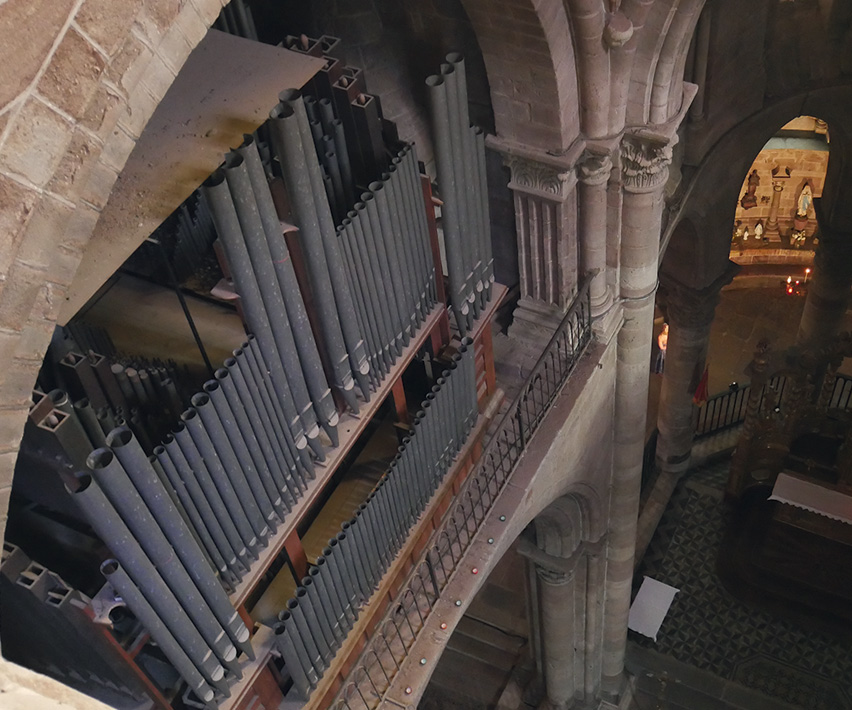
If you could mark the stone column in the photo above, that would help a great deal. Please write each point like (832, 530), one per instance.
(772, 232)
(828, 289)
(593, 172)
(546, 222)
(644, 169)
(556, 590)
(690, 314)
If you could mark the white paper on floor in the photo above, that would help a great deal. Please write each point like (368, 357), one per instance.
(650, 607)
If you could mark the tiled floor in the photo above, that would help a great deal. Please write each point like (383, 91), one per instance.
(709, 630)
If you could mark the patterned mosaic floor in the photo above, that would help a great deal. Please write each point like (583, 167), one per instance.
(710, 630)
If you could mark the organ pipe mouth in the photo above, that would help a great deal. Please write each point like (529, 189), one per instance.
(211, 385)
(99, 459)
(434, 80)
(120, 436)
(189, 414)
(455, 57)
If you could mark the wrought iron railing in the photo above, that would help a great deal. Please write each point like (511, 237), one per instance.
(389, 645)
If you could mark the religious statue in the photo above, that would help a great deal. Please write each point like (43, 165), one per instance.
(758, 231)
(749, 198)
(806, 197)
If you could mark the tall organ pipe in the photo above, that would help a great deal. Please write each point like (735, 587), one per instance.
(257, 511)
(463, 186)
(284, 641)
(219, 478)
(139, 470)
(109, 526)
(377, 237)
(186, 452)
(113, 480)
(228, 227)
(303, 659)
(246, 446)
(115, 575)
(283, 410)
(452, 219)
(260, 263)
(342, 297)
(288, 140)
(289, 285)
(236, 387)
(374, 276)
(485, 235)
(467, 169)
(214, 550)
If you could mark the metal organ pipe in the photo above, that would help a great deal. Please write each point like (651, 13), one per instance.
(289, 138)
(289, 285)
(138, 469)
(109, 526)
(113, 480)
(261, 264)
(228, 228)
(135, 599)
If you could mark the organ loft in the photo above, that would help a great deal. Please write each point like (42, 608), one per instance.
(453, 354)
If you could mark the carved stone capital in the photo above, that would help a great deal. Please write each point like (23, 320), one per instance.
(538, 179)
(689, 307)
(594, 168)
(644, 163)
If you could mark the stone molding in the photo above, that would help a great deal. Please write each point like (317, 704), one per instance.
(535, 178)
(553, 577)
(644, 164)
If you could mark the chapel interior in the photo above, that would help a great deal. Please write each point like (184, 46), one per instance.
(452, 354)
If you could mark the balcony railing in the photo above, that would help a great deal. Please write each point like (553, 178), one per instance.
(389, 645)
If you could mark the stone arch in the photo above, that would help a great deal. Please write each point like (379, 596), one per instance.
(656, 90)
(96, 72)
(66, 136)
(531, 70)
(710, 196)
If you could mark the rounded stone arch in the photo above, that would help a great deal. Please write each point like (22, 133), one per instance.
(711, 195)
(529, 60)
(65, 138)
(664, 33)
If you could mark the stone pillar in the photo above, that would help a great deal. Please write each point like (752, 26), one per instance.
(828, 289)
(644, 169)
(593, 172)
(772, 232)
(690, 314)
(556, 590)
(546, 222)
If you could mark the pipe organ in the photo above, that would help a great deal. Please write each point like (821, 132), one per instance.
(335, 305)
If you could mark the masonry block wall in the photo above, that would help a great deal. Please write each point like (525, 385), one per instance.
(78, 81)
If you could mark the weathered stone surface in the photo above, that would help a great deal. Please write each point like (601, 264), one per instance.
(83, 151)
(107, 22)
(16, 206)
(36, 143)
(45, 230)
(22, 52)
(19, 292)
(72, 75)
